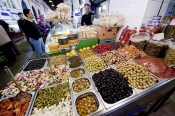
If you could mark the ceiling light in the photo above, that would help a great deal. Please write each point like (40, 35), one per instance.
(52, 4)
(50, 0)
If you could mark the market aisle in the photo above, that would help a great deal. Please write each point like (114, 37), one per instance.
(26, 53)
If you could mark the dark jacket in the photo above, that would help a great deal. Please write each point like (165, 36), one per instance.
(6, 28)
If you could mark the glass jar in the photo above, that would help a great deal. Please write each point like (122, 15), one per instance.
(156, 49)
(170, 55)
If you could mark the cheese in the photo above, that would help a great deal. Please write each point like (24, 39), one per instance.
(53, 46)
(65, 46)
(73, 41)
(54, 50)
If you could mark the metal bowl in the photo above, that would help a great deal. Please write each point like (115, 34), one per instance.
(72, 36)
(63, 41)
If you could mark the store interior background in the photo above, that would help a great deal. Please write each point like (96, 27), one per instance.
(135, 12)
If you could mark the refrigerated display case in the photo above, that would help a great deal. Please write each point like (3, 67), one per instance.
(59, 33)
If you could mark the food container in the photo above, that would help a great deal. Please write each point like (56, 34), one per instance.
(63, 41)
(156, 49)
(35, 64)
(159, 81)
(85, 94)
(80, 86)
(29, 109)
(74, 72)
(138, 40)
(72, 36)
(170, 55)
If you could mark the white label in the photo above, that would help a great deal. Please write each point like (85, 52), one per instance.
(158, 37)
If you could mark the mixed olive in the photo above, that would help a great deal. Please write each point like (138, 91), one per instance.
(35, 64)
(94, 64)
(112, 85)
(75, 61)
(137, 75)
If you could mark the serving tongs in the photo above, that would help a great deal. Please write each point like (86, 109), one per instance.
(21, 94)
(140, 54)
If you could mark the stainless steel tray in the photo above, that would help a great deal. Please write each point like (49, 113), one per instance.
(81, 67)
(100, 108)
(28, 112)
(90, 87)
(31, 106)
(107, 106)
(33, 60)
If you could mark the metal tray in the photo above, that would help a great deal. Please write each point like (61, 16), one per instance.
(31, 106)
(90, 92)
(33, 60)
(68, 63)
(90, 87)
(147, 89)
(107, 106)
(81, 67)
(28, 112)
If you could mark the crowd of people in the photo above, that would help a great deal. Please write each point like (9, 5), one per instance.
(35, 34)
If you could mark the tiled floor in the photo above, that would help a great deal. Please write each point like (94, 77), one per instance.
(168, 109)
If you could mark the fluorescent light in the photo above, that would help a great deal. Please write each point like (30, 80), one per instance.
(104, 6)
(50, 0)
(52, 4)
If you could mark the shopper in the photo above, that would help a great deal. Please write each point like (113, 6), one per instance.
(32, 30)
(6, 45)
(7, 29)
(87, 17)
(45, 27)
(21, 22)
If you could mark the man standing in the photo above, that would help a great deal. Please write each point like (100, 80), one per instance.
(87, 17)
(21, 22)
(31, 29)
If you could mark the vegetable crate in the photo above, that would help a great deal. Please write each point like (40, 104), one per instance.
(106, 41)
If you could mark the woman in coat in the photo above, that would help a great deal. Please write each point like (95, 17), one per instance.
(44, 26)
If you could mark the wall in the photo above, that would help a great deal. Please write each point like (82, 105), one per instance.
(132, 10)
(153, 9)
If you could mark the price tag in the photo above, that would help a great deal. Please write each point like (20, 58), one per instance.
(158, 37)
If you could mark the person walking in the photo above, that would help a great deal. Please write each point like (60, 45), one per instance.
(45, 27)
(6, 45)
(21, 22)
(32, 30)
(7, 29)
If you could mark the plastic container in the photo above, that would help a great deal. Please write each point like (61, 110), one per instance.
(138, 40)
(142, 28)
(123, 33)
(63, 41)
(156, 49)
(170, 55)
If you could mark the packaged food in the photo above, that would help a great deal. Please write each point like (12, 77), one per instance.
(138, 40)
(142, 28)
(170, 55)
(156, 49)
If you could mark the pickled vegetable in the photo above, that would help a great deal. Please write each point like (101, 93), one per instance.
(77, 73)
(52, 95)
(170, 57)
(86, 105)
(81, 85)
(75, 61)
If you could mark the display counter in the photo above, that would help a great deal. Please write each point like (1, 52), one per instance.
(87, 71)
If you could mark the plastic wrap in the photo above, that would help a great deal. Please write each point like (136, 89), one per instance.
(156, 66)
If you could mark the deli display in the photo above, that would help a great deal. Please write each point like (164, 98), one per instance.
(91, 80)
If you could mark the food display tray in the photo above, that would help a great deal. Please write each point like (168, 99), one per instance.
(91, 86)
(100, 108)
(107, 106)
(31, 106)
(34, 60)
(29, 109)
(147, 89)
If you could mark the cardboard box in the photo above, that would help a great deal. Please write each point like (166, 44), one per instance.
(106, 32)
